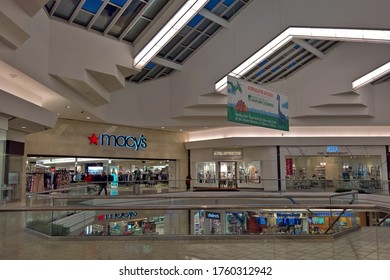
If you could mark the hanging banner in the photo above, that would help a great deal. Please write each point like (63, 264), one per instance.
(252, 104)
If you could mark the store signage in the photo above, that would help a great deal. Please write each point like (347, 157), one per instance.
(227, 154)
(129, 142)
(213, 215)
(288, 215)
(327, 214)
(332, 149)
(126, 215)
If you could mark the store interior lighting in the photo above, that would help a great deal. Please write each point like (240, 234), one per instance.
(372, 76)
(331, 34)
(170, 29)
(67, 160)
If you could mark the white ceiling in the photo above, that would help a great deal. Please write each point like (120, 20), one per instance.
(203, 109)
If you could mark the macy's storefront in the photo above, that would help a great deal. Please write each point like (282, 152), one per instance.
(74, 149)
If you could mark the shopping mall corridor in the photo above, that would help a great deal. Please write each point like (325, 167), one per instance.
(369, 243)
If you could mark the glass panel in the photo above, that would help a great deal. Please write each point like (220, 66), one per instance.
(83, 18)
(206, 172)
(50, 5)
(153, 73)
(184, 56)
(228, 2)
(227, 174)
(136, 30)
(220, 10)
(171, 44)
(190, 38)
(199, 42)
(249, 172)
(204, 24)
(211, 4)
(213, 28)
(119, 2)
(234, 10)
(92, 5)
(136, 78)
(175, 52)
(154, 9)
(105, 18)
(13, 177)
(65, 9)
(195, 20)
(126, 18)
(185, 30)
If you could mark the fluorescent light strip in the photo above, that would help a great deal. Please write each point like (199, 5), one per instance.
(372, 76)
(331, 34)
(170, 29)
(69, 160)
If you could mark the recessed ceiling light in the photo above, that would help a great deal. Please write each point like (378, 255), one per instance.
(88, 118)
(58, 114)
(24, 127)
(163, 127)
(68, 107)
(180, 129)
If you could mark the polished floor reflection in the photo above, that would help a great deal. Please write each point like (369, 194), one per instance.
(369, 243)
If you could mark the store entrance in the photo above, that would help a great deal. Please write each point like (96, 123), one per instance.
(227, 174)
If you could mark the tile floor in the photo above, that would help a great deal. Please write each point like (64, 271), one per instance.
(369, 243)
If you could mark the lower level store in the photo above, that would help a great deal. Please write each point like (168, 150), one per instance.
(198, 222)
(272, 222)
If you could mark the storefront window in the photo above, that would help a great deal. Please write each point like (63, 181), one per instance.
(206, 172)
(339, 171)
(236, 223)
(45, 173)
(249, 172)
(13, 171)
(272, 222)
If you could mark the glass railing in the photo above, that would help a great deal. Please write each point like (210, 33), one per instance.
(264, 185)
(268, 213)
(82, 223)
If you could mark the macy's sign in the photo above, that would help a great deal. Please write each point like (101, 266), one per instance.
(129, 142)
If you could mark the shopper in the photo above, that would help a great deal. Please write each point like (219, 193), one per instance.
(103, 183)
(188, 182)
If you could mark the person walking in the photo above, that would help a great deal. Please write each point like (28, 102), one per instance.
(188, 182)
(103, 183)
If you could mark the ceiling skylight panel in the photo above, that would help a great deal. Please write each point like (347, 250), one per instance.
(183, 15)
(92, 5)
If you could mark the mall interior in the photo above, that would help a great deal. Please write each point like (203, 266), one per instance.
(178, 129)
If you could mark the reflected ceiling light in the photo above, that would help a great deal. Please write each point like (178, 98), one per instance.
(372, 76)
(170, 29)
(330, 34)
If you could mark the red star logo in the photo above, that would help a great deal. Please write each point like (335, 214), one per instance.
(93, 139)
